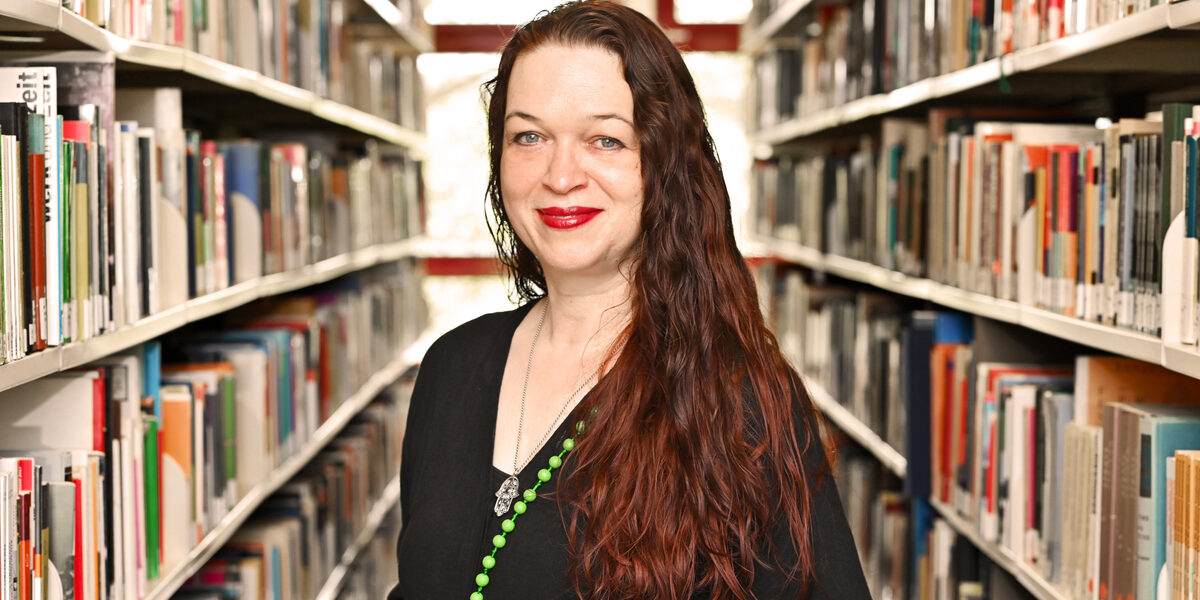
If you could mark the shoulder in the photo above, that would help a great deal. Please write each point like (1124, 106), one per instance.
(475, 338)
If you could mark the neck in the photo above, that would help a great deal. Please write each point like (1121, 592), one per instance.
(586, 316)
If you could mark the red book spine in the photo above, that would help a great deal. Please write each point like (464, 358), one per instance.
(79, 583)
(25, 585)
(99, 414)
(37, 243)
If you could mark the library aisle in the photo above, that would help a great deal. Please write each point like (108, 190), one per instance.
(229, 230)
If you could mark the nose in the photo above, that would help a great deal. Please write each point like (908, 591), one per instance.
(564, 173)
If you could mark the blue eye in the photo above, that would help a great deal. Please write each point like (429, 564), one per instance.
(527, 137)
(609, 143)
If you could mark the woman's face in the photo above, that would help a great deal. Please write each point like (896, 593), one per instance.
(570, 169)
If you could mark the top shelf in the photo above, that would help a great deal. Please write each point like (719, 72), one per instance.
(388, 13)
(1082, 52)
(754, 39)
(37, 16)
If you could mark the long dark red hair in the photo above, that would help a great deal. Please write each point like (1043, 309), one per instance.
(696, 450)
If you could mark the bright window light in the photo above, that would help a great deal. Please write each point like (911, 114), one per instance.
(486, 12)
(707, 11)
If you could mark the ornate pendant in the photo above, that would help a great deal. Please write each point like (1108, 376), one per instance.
(506, 494)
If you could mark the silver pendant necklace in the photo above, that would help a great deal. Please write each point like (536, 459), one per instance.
(508, 490)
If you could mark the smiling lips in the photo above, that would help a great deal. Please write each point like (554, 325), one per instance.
(567, 217)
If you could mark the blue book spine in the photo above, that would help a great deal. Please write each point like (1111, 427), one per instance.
(953, 328)
(152, 375)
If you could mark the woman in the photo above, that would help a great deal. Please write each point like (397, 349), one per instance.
(698, 471)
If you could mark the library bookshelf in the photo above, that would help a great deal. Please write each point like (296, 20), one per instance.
(47, 28)
(1095, 45)
(51, 26)
(175, 576)
(1117, 67)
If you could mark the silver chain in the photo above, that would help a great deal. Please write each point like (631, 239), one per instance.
(525, 388)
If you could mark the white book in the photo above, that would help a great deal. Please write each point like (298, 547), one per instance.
(8, 533)
(132, 223)
(13, 252)
(162, 110)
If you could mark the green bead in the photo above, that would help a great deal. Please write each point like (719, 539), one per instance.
(529, 495)
(580, 426)
(489, 562)
(476, 596)
(482, 580)
(499, 541)
(507, 525)
(520, 507)
(555, 462)
(544, 475)
(569, 444)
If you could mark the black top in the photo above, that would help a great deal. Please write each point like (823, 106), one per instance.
(448, 487)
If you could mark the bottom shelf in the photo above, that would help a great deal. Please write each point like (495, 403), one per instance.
(1028, 578)
(379, 512)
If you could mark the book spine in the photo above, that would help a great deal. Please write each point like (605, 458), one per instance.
(36, 161)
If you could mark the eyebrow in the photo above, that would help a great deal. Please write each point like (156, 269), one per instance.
(600, 117)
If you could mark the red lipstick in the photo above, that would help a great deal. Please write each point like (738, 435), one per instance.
(567, 217)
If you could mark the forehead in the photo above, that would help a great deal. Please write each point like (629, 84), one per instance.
(554, 80)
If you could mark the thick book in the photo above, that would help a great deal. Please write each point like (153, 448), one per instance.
(243, 187)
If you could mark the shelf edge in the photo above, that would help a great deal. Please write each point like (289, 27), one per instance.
(1033, 582)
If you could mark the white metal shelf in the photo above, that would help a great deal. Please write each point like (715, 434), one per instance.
(379, 512)
(856, 429)
(29, 15)
(1181, 15)
(38, 16)
(1030, 579)
(77, 354)
(1094, 335)
(754, 39)
(390, 15)
(163, 587)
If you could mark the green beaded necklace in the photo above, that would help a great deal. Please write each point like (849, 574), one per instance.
(519, 508)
